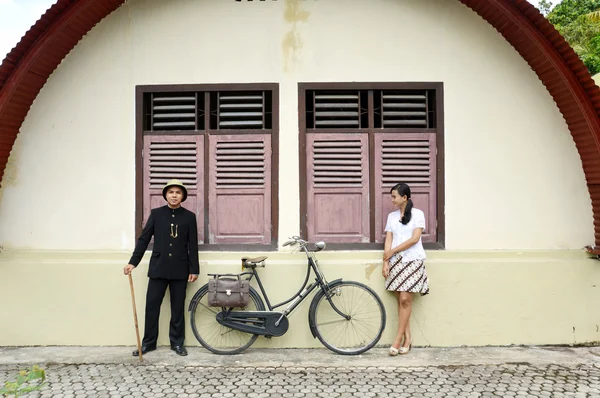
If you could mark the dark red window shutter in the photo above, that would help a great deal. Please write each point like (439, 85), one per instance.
(170, 156)
(240, 189)
(408, 158)
(338, 187)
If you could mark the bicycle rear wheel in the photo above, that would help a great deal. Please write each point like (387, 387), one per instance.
(346, 336)
(211, 334)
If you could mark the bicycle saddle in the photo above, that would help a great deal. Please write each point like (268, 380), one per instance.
(249, 262)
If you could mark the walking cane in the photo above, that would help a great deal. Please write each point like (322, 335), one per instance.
(137, 331)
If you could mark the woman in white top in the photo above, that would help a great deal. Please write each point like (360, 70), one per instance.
(403, 261)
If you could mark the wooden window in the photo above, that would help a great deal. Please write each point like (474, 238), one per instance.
(356, 142)
(217, 139)
(174, 156)
(338, 187)
(240, 194)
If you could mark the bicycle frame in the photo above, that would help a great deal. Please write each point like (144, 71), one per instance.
(304, 291)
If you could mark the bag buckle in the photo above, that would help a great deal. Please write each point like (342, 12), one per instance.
(228, 292)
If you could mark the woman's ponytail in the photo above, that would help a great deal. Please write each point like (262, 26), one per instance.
(404, 190)
(407, 212)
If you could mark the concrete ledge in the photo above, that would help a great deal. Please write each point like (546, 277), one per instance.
(253, 357)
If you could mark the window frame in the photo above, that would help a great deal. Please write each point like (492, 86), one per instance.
(438, 87)
(141, 90)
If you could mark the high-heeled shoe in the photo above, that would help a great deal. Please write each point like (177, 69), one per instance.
(393, 351)
(405, 350)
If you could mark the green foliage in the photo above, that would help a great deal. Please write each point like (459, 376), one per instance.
(27, 380)
(578, 21)
(569, 11)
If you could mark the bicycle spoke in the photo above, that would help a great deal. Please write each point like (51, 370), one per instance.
(366, 322)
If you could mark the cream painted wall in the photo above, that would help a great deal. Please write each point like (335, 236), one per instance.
(513, 176)
(542, 297)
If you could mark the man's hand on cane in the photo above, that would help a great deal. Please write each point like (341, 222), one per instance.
(128, 268)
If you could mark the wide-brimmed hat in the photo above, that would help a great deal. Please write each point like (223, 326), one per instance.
(175, 183)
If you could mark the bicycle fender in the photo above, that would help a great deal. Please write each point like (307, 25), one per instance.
(200, 291)
(313, 305)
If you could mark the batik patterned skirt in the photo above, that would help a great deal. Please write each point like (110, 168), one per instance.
(410, 277)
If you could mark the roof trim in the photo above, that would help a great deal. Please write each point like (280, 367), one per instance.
(28, 66)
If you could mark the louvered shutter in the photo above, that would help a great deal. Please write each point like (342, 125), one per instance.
(333, 110)
(406, 109)
(244, 110)
(167, 157)
(338, 188)
(173, 111)
(408, 158)
(240, 189)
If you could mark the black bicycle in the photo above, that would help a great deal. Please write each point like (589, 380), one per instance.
(347, 317)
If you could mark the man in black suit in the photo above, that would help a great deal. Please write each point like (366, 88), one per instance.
(174, 263)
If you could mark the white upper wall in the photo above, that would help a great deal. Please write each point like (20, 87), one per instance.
(514, 179)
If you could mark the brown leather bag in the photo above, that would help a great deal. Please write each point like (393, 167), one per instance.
(228, 292)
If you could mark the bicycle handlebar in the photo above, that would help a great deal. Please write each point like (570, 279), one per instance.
(303, 243)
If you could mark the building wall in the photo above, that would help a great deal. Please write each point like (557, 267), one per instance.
(517, 209)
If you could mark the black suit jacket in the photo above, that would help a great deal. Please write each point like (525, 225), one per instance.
(175, 251)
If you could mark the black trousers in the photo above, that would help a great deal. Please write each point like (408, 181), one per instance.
(154, 298)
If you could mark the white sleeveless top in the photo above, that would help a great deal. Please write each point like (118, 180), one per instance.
(402, 233)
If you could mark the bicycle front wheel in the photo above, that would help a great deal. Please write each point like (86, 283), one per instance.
(361, 322)
(211, 334)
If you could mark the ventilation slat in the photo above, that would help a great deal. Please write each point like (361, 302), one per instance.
(159, 153)
(407, 108)
(398, 162)
(406, 161)
(173, 169)
(175, 115)
(230, 169)
(240, 106)
(241, 97)
(241, 114)
(337, 150)
(336, 109)
(156, 145)
(174, 125)
(240, 164)
(404, 97)
(337, 164)
(170, 160)
(332, 114)
(241, 111)
(171, 108)
(245, 163)
(393, 113)
(174, 99)
(336, 97)
(158, 163)
(336, 106)
(241, 123)
(405, 122)
(404, 105)
(173, 111)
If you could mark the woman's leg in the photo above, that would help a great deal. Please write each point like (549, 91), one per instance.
(404, 311)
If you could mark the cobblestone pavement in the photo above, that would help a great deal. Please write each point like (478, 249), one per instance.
(139, 380)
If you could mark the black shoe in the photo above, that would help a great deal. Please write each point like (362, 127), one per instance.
(179, 350)
(145, 349)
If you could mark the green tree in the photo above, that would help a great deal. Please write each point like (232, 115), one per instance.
(578, 21)
(570, 11)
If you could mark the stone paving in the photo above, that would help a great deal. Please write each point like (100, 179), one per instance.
(425, 372)
(128, 380)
